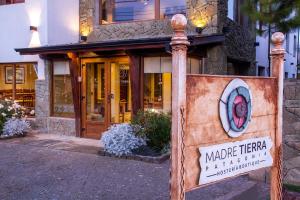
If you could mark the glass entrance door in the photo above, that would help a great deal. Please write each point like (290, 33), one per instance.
(120, 92)
(94, 99)
(106, 94)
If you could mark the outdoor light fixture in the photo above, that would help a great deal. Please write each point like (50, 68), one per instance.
(225, 29)
(33, 28)
(199, 29)
(83, 38)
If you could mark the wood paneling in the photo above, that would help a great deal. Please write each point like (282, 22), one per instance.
(204, 126)
(136, 82)
(75, 71)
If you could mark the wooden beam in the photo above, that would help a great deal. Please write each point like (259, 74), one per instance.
(14, 83)
(136, 84)
(75, 72)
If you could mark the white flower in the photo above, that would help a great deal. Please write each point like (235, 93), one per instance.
(32, 112)
(1, 106)
(15, 127)
(9, 108)
(3, 114)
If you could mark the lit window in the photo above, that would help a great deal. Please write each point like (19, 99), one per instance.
(158, 81)
(5, 2)
(62, 90)
(17, 82)
(136, 10)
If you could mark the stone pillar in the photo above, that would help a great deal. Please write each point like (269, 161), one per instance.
(216, 61)
(277, 67)
(42, 99)
(179, 58)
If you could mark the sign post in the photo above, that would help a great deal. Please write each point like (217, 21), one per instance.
(179, 56)
(277, 56)
(223, 126)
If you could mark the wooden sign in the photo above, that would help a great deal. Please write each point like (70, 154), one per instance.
(224, 126)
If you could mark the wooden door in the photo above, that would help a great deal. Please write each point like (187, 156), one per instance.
(95, 99)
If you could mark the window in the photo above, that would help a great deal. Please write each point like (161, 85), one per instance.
(230, 13)
(136, 10)
(158, 81)
(17, 82)
(295, 46)
(5, 2)
(62, 97)
(168, 8)
(286, 75)
(287, 43)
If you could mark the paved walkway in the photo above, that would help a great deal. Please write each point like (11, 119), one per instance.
(37, 168)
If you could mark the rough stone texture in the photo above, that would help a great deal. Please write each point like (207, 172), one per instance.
(210, 13)
(291, 104)
(42, 101)
(216, 61)
(239, 43)
(291, 128)
(43, 120)
(198, 11)
(61, 126)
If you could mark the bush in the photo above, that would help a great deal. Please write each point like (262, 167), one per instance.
(15, 127)
(120, 140)
(9, 110)
(156, 127)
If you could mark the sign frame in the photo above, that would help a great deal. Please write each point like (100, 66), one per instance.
(181, 182)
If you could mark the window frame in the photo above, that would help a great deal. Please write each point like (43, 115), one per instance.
(14, 81)
(110, 13)
(51, 71)
(9, 2)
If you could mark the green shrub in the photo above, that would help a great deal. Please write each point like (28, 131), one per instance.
(155, 127)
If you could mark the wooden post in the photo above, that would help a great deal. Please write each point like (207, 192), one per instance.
(74, 71)
(179, 58)
(277, 64)
(135, 82)
(14, 83)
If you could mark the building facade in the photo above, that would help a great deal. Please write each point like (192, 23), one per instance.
(121, 61)
(291, 57)
(32, 23)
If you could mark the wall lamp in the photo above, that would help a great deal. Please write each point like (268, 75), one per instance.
(33, 28)
(199, 29)
(83, 38)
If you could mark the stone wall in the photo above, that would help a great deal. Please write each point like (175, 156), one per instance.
(198, 12)
(43, 120)
(291, 129)
(42, 99)
(212, 14)
(239, 42)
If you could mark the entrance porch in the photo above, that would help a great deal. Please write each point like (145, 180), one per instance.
(89, 87)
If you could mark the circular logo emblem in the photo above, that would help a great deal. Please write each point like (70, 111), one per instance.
(236, 107)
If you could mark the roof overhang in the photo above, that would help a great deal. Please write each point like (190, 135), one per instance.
(148, 43)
